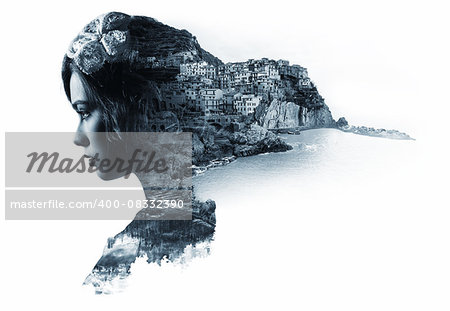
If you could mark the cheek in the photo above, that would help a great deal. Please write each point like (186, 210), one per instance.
(98, 144)
(95, 122)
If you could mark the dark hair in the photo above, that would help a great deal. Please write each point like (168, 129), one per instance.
(128, 100)
(125, 87)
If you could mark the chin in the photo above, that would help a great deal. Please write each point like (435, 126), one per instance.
(109, 175)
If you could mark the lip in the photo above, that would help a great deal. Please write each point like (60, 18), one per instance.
(90, 159)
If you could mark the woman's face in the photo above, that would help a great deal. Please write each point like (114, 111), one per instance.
(91, 130)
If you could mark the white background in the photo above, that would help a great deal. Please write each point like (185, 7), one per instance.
(381, 63)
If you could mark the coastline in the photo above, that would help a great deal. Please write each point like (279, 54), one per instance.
(198, 170)
(372, 132)
(358, 130)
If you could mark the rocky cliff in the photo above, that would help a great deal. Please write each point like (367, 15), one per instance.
(283, 114)
(211, 144)
(298, 105)
(157, 40)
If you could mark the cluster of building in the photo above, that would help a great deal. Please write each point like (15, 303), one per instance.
(232, 89)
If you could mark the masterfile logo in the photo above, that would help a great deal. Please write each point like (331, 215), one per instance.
(40, 167)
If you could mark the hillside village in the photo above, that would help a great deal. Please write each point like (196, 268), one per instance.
(204, 93)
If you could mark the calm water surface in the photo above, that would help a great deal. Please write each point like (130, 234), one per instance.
(320, 157)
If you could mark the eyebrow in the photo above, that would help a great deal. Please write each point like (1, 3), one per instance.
(79, 102)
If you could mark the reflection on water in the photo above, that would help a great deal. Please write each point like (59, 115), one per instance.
(157, 240)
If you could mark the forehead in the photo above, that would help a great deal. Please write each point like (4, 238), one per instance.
(77, 91)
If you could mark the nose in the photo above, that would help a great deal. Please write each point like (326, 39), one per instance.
(80, 138)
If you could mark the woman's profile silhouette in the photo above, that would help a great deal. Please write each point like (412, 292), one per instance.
(113, 74)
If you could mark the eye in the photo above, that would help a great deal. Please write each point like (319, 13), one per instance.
(83, 108)
(84, 114)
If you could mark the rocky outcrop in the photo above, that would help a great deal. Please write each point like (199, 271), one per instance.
(343, 125)
(256, 140)
(370, 131)
(341, 122)
(210, 144)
